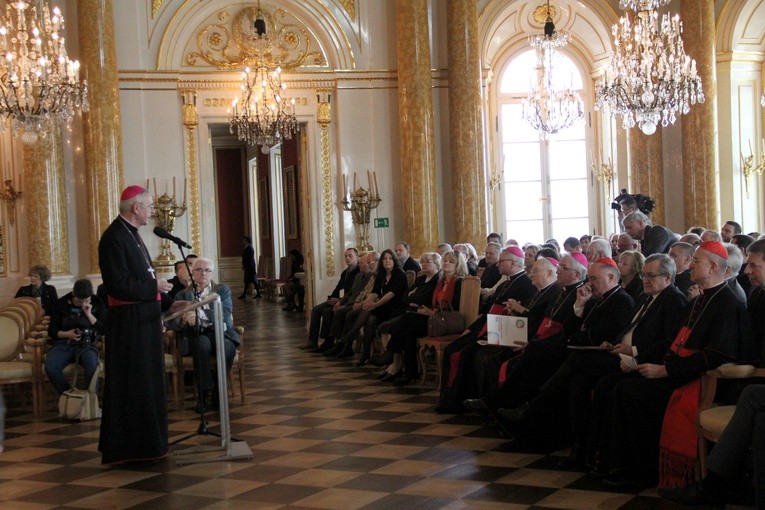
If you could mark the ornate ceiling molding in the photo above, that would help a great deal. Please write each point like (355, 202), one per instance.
(350, 7)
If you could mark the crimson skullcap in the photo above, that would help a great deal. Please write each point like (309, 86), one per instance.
(608, 261)
(715, 247)
(134, 191)
(579, 257)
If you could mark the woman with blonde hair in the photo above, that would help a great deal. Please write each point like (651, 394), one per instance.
(403, 340)
(631, 267)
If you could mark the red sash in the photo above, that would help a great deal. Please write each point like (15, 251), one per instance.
(679, 443)
(549, 328)
(496, 309)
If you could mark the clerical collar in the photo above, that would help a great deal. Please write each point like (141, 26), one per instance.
(712, 290)
(127, 223)
(609, 293)
(573, 286)
(515, 276)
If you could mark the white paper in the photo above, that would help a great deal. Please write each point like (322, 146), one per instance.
(506, 330)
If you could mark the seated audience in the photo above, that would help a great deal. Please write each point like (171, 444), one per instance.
(730, 229)
(198, 328)
(654, 409)
(571, 245)
(403, 340)
(37, 288)
(584, 242)
(682, 254)
(75, 325)
(530, 253)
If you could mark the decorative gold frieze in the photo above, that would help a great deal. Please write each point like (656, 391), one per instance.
(217, 102)
(230, 42)
(541, 13)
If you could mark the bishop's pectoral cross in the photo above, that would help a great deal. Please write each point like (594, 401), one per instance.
(152, 272)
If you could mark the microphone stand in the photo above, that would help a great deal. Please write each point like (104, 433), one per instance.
(202, 429)
(229, 449)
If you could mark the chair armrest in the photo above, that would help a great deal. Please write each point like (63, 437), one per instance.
(733, 371)
(36, 341)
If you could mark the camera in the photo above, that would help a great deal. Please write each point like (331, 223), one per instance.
(87, 335)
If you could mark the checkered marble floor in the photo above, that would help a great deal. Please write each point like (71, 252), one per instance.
(323, 433)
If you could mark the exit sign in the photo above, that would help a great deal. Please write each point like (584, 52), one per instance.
(382, 223)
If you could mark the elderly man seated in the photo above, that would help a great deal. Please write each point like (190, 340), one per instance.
(199, 328)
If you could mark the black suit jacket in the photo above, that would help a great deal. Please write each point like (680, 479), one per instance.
(658, 326)
(603, 319)
(518, 287)
(656, 239)
(346, 281)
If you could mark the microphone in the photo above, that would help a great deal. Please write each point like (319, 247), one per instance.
(164, 234)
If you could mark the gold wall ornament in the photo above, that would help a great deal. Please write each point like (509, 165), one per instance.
(165, 212)
(324, 115)
(542, 12)
(155, 6)
(748, 168)
(9, 195)
(360, 204)
(190, 124)
(231, 42)
(350, 7)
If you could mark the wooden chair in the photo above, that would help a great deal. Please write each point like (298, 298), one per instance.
(712, 419)
(186, 364)
(470, 297)
(479, 272)
(410, 277)
(17, 365)
(274, 286)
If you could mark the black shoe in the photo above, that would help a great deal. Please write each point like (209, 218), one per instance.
(477, 406)
(515, 416)
(362, 360)
(289, 308)
(257, 296)
(693, 494)
(392, 377)
(324, 347)
(346, 352)
(243, 296)
(382, 375)
(308, 347)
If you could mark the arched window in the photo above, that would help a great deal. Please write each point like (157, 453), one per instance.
(545, 189)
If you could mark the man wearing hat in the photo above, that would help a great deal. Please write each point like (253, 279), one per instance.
(457, 367)
(655, 408)
(134, 421)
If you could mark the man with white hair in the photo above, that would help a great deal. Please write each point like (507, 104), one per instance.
(735, 261)
(198, 327)
(653, 238)
(598, 249)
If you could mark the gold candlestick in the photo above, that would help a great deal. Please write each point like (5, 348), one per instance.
(360, 205)
(166, 210)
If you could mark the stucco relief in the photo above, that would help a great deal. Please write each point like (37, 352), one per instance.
(227, 40)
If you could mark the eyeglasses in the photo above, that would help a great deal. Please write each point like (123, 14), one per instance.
(505, 260)
(561, 267)
(652, 275)
(202, 270)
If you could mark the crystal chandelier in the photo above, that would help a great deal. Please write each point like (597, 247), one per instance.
(650, 78)
(263, 116)
(546, 108)
(38, 82)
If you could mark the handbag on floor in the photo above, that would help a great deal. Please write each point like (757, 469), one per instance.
(80, 404)
(445, 321)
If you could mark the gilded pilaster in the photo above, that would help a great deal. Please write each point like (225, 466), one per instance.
(700, 184)
(190, 123)
(415, 104)
(646, 169)
(465, 123)
(45, 201)
(102, 132)
(324, 117)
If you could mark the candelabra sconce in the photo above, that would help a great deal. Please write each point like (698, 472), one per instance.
(604, 172)
(748, 168)
(9, 195)
(360, 203)
(166, 210)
